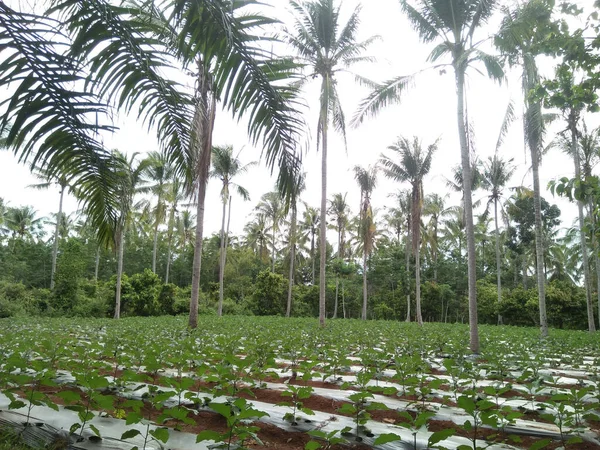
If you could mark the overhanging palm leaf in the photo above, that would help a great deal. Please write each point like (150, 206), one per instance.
(48, 114)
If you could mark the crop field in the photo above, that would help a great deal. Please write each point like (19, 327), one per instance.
(150, 383)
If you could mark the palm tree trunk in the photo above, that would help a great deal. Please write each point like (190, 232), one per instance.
(584, 250)
(435, 253)
(56, 234)
(595, 250)
(407, 254)
(323, 224)
(204, 121)
(498, 262)
(97, 264)
(337, 289)
(364, 306)
(170, 242)
(120, 247)
(288, 310)
(273, 248)
(312, 255)
(155, 245)
(468, 201)
(418, 285)
(222, 260)
(343, 300)
(539, 246)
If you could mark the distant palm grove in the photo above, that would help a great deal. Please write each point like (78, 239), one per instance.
(137, 246)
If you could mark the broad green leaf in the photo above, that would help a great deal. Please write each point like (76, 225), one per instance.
(386, 438)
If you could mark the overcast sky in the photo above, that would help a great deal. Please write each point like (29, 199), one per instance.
(428, 111)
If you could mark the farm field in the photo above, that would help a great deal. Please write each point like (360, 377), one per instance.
(248, 382)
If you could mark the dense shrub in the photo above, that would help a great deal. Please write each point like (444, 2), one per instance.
(267, 299)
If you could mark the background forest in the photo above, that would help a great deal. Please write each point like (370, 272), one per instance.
(501, 254)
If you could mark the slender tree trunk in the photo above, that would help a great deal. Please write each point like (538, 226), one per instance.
(56, 237)
(539, 245)
(273, 249)
(323, 225)
(155, 241)
(204, 121)
(524, 269)
(337, 288)
(97, 264)
(364, 306)
(407, 253)
(596, 256)
(288, 310)
(584, 251)
(170, 242)
(343, 300)
(468, 201)
(498, 262)
(120, 247)
(312, 255)
(222, 260)
(435, 253)
(418, 285)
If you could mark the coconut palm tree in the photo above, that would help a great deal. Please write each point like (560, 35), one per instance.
(292, 239)
(339, 212)
(521, 32)
(127, 52)
(403, 199)
(186, 228)
(309, 226)
(23, 222)
(367, 181)
(434, 207)
(327, 47)
(62, 183)
(257, 236)
(227, 166)
(411, 163)
(130, 174)
(453, 23)
(173, 196)
(158, 174)
(496, 174)
(590, 152)
(272, 208)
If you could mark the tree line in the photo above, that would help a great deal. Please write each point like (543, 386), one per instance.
(116, 58)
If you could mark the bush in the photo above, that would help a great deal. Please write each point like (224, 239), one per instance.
(267, 299)
(166, 299)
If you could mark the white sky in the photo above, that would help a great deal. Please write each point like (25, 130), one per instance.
(428, 111)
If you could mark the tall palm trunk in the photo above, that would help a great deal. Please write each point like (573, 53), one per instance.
(596, 249)
(364, 306)
(273, 248)
(312, 254)
(539, 246)
(222, 259)
(498, 262)
(155, 239)
(407, 253)
(288, 310)
(468, 201)
(584, 250)
(120, 247)
(337, 291)
(97, 264)
(170, 242)
(204, 120)
(416, 243)
(323, 224)
(56, 234)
